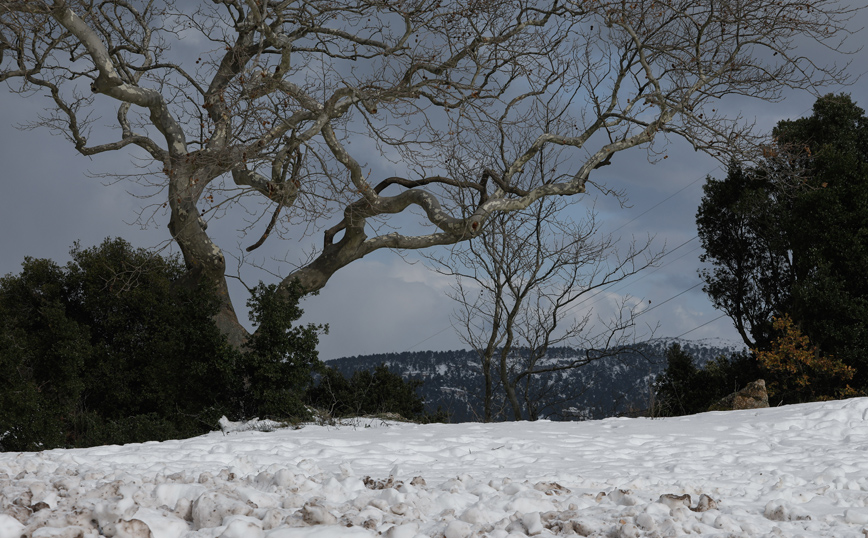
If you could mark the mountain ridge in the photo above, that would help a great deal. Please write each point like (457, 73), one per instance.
(617, 385)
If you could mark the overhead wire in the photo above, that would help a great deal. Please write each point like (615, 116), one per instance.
(669, 299)
(438, 333)
(633, 282)
(701, 326)
(595, 295)
(661, 202)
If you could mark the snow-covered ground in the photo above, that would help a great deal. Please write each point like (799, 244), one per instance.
(789, 471)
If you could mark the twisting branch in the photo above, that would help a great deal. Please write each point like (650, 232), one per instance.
(517, 287)
(452, 101)
(287, 198)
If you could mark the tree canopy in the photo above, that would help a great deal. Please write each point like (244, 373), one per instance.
(92, 352)
(113, 348)
(791, 237)
(287, 103)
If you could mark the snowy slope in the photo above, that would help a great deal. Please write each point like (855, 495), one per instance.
(788, 471)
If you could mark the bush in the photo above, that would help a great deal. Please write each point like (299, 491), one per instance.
(280, 360)
(685, 389)
(370, 393)
(108, 349)
(802, 373)
(159, 368)
(42, 359)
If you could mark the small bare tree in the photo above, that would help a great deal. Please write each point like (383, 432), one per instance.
(517, 285)
(232, 99)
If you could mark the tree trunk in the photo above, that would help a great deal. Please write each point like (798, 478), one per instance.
(508, 386)
(486, 373)
(226, 320)
(203, 258)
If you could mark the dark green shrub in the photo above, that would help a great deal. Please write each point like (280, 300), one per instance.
(108, 349)
(382, 391)
(685, 389)
(156, 352)
(280, 359)
(42, 357)
(370, 393)
(334, 394)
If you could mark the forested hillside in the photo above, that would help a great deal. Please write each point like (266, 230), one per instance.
(621, 384)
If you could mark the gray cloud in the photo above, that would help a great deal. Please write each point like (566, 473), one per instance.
(381, 303)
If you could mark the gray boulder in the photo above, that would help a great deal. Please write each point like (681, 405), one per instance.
(753, 396)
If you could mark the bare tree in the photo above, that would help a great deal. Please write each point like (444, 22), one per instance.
(262, 98)
(517, 285)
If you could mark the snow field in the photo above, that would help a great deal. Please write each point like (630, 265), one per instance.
(781, 472)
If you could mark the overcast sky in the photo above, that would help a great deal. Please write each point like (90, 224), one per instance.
(382, 303)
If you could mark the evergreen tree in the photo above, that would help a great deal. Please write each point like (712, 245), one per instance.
(791, 237)
(742, 229)
(684, 388)
(675, 388)
(280, 359)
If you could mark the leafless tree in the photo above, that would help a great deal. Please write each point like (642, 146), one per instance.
(518, 285)
(262, 98)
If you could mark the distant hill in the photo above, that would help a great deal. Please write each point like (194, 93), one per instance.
(452, 380)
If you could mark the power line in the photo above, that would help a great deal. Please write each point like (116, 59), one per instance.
(631, 283)
(701, 326)
(669, 299)
(661, 202)
(429, 338)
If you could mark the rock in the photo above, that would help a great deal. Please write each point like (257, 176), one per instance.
(753, 396)
(705, 504)
(314, 514)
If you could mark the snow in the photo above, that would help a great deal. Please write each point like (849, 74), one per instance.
(713, 342)
(781, 472)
